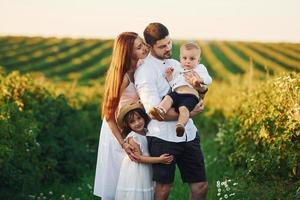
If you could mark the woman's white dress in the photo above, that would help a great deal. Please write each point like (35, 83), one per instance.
(135, 180)
(110, 154)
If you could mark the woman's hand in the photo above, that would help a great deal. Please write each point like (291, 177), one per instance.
(129, 149)
(198, 108)
(166, 158)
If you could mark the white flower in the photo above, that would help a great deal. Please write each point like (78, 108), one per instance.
(225, 196)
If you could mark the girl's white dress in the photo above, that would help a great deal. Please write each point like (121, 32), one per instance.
(135, 180)
(110, 153)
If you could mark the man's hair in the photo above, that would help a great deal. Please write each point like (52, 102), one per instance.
(154, 32)
(190, 46)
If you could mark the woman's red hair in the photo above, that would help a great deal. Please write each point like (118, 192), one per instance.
(121, 62)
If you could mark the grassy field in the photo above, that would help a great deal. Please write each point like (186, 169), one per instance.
(76, 68)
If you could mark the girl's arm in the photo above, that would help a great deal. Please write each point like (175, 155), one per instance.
(164, 158)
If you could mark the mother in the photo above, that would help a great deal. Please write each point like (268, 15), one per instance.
(119, 89)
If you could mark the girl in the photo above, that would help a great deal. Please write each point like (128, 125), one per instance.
(128, 49)
(135, 180)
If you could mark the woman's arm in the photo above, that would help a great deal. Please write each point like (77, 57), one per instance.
(164, 158)
(117, 134)
(116, 130)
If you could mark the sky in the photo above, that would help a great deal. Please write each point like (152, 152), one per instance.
(250, 20)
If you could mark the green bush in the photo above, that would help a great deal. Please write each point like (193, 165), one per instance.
(43, 137)
(264, 134)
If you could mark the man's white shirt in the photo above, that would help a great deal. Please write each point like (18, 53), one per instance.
(152, 86)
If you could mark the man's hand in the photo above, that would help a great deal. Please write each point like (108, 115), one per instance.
(198, 108)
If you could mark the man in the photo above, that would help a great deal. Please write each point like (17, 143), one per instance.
(152, 87)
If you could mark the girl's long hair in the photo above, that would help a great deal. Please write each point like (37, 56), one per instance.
(120, 63)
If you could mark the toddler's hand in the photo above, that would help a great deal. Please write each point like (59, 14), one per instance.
(169, 73)
(166, 158)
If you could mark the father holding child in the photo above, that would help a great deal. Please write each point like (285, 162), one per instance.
(152, 86)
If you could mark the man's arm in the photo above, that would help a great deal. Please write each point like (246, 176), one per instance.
(146, 85)
(199, 108)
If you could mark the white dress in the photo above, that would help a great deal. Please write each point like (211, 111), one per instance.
(135, 180)
(110, 154)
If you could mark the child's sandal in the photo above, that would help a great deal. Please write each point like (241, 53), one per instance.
(158, 113)
(179, 130)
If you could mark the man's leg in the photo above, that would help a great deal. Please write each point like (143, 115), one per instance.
(163, 174)
(198, 190)
(192, 169)
(162, 191)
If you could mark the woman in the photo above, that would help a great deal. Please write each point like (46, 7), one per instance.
(128, 49)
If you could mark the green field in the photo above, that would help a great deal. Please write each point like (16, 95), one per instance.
(76, 69)
(87, 59)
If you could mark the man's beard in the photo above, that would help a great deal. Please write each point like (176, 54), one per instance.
(168, 55)
(165, 56)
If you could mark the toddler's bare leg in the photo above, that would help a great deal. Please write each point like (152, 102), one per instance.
(159, 113)
(184, 115)
(166, 103)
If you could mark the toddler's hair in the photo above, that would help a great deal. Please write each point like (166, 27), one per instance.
(190, 46)
(138, 111)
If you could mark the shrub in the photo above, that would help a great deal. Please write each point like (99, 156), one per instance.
(43, 137)
(264, 134)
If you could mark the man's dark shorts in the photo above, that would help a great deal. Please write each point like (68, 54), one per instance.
(187, 155)
(187, 100)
